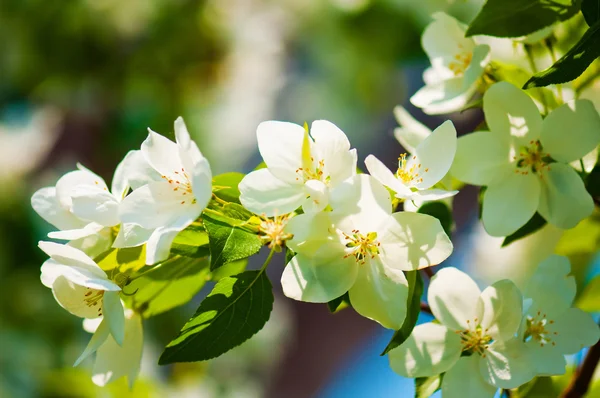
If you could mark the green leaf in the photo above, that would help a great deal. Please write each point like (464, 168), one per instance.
(339, 303)
(233, 268)
(441, 211)
(289, 254)
(191, 242)
(514, 18)
(571, 65)
(591, 11)
(426, 386)
(415, 290)
(123, 260)
(236, 309)
(171, 284)
(228, 243)
(589, 299)
(225, 186)
(533, 225)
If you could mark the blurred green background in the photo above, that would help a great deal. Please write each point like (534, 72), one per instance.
(81, 80)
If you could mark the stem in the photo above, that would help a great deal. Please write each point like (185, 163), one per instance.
(550, 47)
(267, 261)
(583, 375)
(219, 200)
(213, 212)
(532, 65)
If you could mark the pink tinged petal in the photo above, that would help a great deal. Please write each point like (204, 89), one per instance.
(575, 330)
(131, 235)
(571, 131)
(99, 337)
(431, 349)
(263, 193)
(317, 196)
(72, 297)
(95, 204)
(453, 298)
(378, 292)
(510, 202)
(564, 200)
(435, 155)
(551, 288)
(501, 306)
(280, 145)
(318, 280)
(47, 205)
(162, 154)
(70, 256)
(114, 361)
(463, 380)
(157, 205)
(67, 183)
(506, 364)
(481, 158)
(382, 174)
(114, 315)
(133, 172)
(411, 241)
(510, 111)
(547, 360)
(412, 132)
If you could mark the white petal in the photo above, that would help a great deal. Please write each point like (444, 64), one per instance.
(263, 193)
(72, 298)
(575, 330)
(95, 204)
(506, 364)
(114, 315)
(382, 174)
(551, 288)
(311, 232)
(509, 110)
(580, 119)
(114, 362)
(67, 183)
(453, 298)
(501, 307)
(430, 195)
(564, 200)
(95, 244)
(435, 155)
(318, 280)
(589, 161)
(429, 350)
(510, 202)
(444, 97)
(481, 157)
(464, 380)
(133, 172)
(100, 337)
(131, 235)
(162, 154)
(280, 145)
(157, 205)
(412, 132)
(46, 204)
(317, 196)
(547, 360)
(74, 234)
(411, 241)
(159, 244)
(379, 293)
(92, 325)
(332, 146)
(71, 256)
(51, 271)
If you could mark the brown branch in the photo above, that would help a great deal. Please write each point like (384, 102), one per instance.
(429, 272)
(583, 375)
(426, 308)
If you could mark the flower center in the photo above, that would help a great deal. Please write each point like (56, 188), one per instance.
(93, 298)
(531, 158)
(538, 329)
(314, 172)
(408, 173)
(475, 339)
(180, 182)
(461, 62)
(272, 232)
(360, 246)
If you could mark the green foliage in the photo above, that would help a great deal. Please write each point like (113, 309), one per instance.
(236, 309)
(168, 285)
(591, 11)
(533, 225)
(230, 269)
(571, 65)
(426, 386)
(191, 242)
(128, 259)
(589, 299)
(339, 303)
(514, 18)
(415, 290)
(225, 186)
(441, 211)
(229, 243)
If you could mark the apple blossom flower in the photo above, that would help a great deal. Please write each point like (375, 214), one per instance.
(457, 64)
(301, 167)
(552, 329)
(474, 342)
(418, 173)
(114, 361)
(168, 206)
(81, 287)
(361, 248)
(523, 160)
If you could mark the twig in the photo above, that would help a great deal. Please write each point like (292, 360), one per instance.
(583, 375)
(429, 272)
(426, 308)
